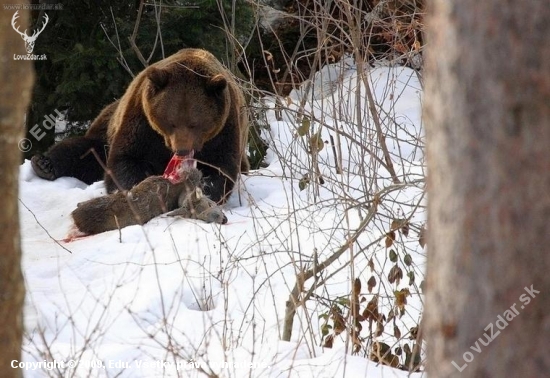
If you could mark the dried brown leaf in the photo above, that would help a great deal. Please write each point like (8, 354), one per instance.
(389, 240)
(357, 287)
(379, 329)
(371, 283)
(339, 322)
(395, 275)
(395, 224)
(396, 332)
(329, 341)
(371, 265)
(371, 311)
(401, 298)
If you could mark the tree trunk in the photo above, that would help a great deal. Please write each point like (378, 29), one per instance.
(16, 77)
(488, 133)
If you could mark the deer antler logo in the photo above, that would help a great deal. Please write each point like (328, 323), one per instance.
(29, 40)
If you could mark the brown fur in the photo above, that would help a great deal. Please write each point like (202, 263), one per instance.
(195, 205)
(189, 99)
(100, 126)
(73, 157)
(150, 198)
(186, 101)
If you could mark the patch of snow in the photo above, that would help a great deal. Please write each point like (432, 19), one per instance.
(163, 298)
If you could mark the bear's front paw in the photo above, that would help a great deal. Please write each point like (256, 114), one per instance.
(43, 167)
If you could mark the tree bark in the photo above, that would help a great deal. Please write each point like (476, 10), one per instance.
(16, 78)
(488, 133)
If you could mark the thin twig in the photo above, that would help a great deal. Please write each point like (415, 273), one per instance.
(41, 226)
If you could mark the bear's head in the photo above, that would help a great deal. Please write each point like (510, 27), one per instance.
(187, 105)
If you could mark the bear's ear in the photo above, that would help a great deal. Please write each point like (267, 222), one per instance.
(216, 84)
(158, 77)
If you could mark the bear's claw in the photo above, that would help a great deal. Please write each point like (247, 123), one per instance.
(43, 167)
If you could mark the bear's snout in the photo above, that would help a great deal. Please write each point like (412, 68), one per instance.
(185, 140)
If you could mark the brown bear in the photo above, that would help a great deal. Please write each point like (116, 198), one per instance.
(187, 104)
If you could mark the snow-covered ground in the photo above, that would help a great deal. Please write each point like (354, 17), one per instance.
(179, 297)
